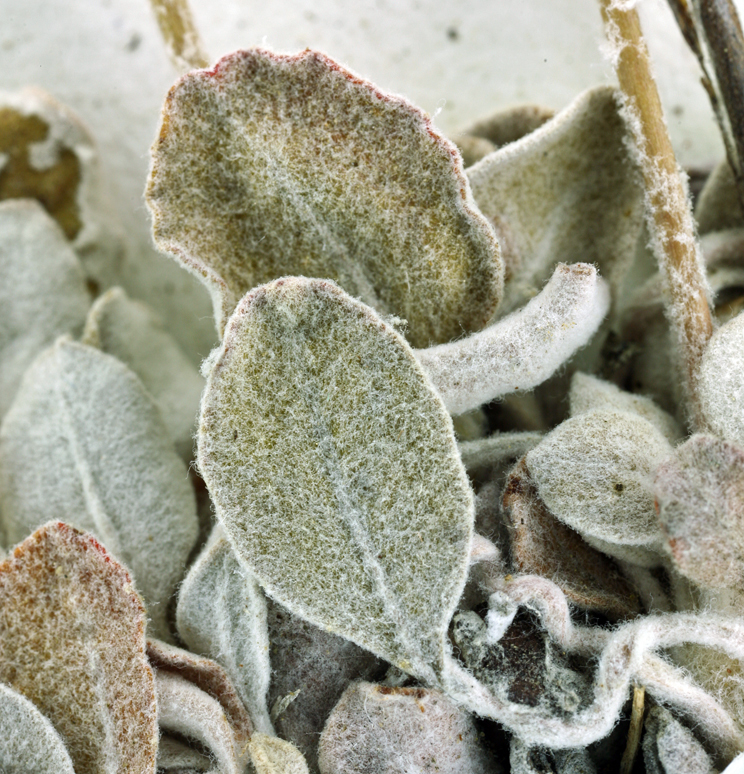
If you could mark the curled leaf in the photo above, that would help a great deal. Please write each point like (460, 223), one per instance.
(335, 473)
(270, 165)
(524, 349)
(207, 676)
(72, 640)
(131, 332)
(700, 500)
(221, 613)
(185, 710)
(85, 440)
(567, 191)
(29, 741)
(42, 293)
(48, 155)
(595, 473)
(375, 728)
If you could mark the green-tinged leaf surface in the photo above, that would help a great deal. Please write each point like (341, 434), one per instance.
(72, 640)
(85, 442)
(334, 470)
(270, 165)
(28, 742)
(42, 290)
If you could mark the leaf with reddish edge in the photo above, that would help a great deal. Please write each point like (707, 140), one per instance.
(270, 165)
(72, 640)
(208, 676)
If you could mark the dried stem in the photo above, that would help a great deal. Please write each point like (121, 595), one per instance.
(713, 33)
(668, 210)
(634, 732)
(180, 34)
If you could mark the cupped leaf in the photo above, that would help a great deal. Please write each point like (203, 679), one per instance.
(72, 640)
(48, 155)
(85, 441)
(376, 728)
(334, 470)
(28, 741)
(132, 332)
(221, 613)
(595, 473)
(271, 165)
(568, 191)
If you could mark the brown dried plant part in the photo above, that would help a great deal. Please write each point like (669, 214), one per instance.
(207, 676)
(568, 191)
(47, 154)
(668, 213)
(700, 501)
(376, 728)
(270, 165)
(334, 471)
(72, 640)
(542, 545)
(179, 33)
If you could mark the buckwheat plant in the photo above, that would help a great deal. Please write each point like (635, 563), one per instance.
(461, 488)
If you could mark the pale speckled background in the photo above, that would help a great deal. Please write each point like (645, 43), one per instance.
(459, 61)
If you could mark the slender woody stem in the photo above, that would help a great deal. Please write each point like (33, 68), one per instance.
(180, 34)
(634, 732)
(668, 210)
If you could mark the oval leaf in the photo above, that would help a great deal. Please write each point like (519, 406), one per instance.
(85, 440)
(72, 640)
(271, 165)
(334, 470)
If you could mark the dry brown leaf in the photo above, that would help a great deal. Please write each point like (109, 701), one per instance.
(269, 165)
(72, 640)
(542, 545)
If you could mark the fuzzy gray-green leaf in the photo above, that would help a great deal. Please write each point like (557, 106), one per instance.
(334, 469)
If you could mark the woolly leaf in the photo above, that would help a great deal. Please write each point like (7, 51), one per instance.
(132, 332)
(48, 155)
(72, 640)
(207, 676)
(29, 742)
(536, 760)
(176, 757)
(670, 748)
(221, 613)
(270, 755)
(84, 439)
(568, 190)
(589, 393)
(718, 206)
(185, 710)
(375, 728)
(271, 165)
(524, 349)
(721, 380)
(700, 500)
(334, 470)
(42, 293)
(542, 545)
(595, 473)
(311, 668)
